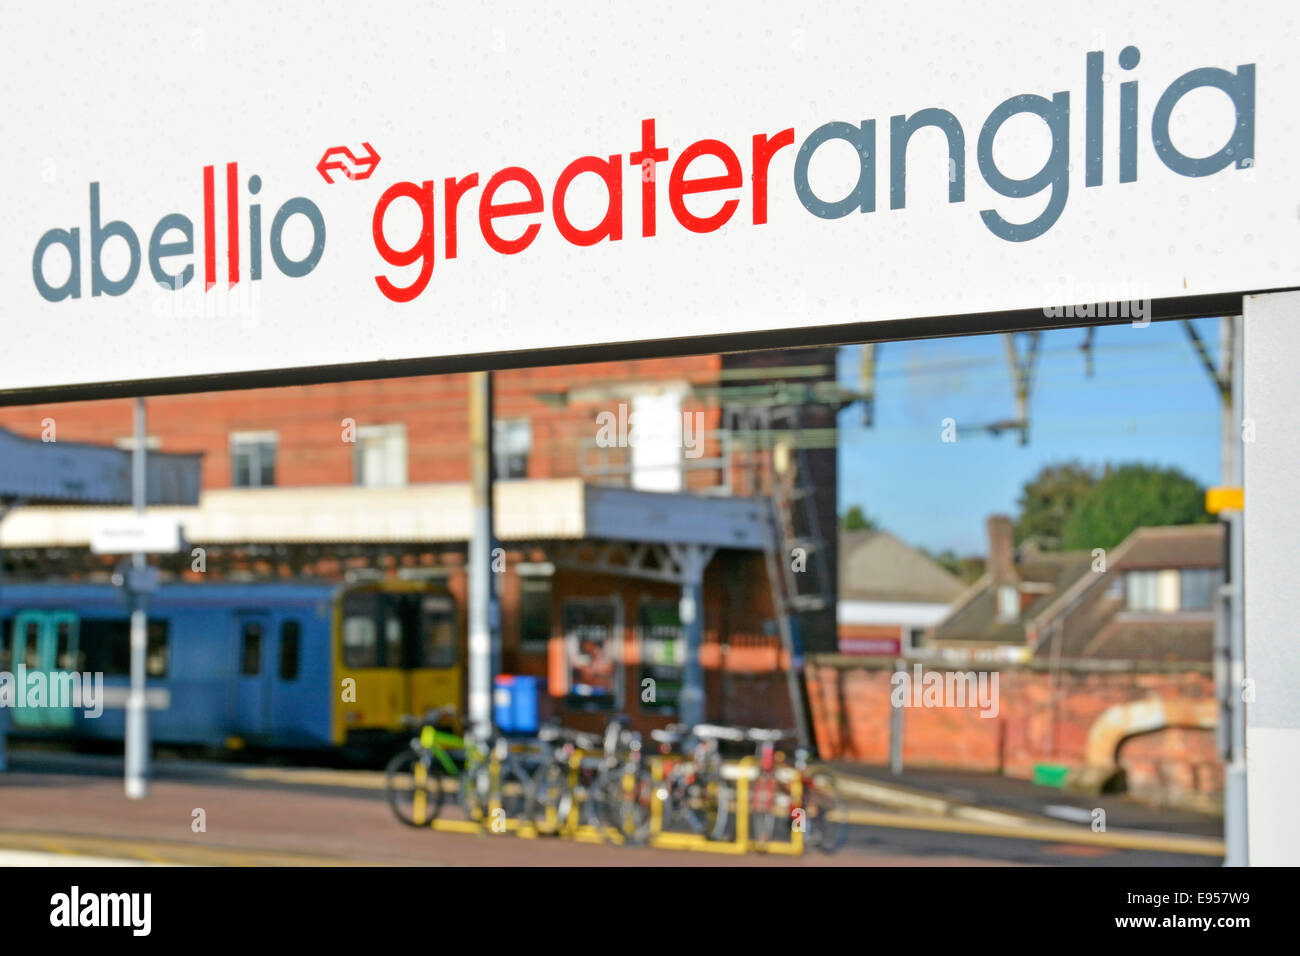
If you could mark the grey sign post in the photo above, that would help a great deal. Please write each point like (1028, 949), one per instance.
(138, 536)
(137, 713)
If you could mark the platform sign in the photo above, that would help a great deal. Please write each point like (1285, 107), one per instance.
(135, 533)
(235, 187)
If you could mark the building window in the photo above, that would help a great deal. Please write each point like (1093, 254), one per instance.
(534, 607)
(663, 655)
(592, 633)
(512, 440)
(252, 459)
(380, 457)
(657, 448)
(290, 649)
(1171, 590)
(250, 660)
(913, 640)
(1008, 602)
(1198, 587)
(1141, 590)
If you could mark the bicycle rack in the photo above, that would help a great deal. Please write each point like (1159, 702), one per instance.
(573, 828)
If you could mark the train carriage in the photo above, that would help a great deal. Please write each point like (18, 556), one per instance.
(289, 665)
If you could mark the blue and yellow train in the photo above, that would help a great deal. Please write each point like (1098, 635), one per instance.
(283, 665)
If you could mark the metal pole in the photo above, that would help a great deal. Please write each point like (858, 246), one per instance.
(896, 729)
(484, 615)
(691, 614)
(137, 713)
(1236, 833)
(4, 711)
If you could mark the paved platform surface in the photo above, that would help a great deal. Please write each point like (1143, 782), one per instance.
(996, 792)
(71, 806)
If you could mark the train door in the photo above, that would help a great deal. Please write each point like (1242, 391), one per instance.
(371, 658)
(46, 642)
(433, 673)
(253, 653)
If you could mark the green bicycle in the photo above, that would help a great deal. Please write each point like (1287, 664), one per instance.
(493, 781)
(416, 777)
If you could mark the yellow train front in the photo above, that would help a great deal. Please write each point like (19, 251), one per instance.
(302, 665)
(398, 651)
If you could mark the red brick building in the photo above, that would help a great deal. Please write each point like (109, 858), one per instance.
(273, 451)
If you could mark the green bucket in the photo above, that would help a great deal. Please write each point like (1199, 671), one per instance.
(1051, 774)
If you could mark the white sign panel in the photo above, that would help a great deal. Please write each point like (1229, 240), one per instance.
(220, 188)
(145, 533)
(155, 698)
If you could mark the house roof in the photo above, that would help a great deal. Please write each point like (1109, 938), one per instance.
(876, 566)
(1177, 546)
(1153, 637)
(974, 617)
(1090, 619)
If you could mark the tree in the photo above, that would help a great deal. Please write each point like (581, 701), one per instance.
(969, 568)
(855, 519)
(1133, 496)
(1049, 498)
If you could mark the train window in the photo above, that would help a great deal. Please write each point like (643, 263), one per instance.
(437, 633)
(360, 631)
(31, 649)
(158, 654)
(290, 648)
(250, 659)
(393, 656)
(65, 658)
(106, 647)
(6, 644)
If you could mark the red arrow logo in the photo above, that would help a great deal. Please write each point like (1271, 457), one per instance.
(353, 168)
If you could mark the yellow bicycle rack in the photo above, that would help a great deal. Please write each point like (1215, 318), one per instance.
(742, 843)
(572, 827)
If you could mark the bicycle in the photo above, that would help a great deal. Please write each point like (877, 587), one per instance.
(691, 789)
(495, 786)
(414, 778)
(492, 777)
(765, 787)
(772, 795)
(824, 828)
(558, 778)
(622, 793)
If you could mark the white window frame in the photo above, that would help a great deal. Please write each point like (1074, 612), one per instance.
(394, 450)
(511, 437)
(254, 438)
(1008, 597)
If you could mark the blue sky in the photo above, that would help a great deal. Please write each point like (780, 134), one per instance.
(1149, 400)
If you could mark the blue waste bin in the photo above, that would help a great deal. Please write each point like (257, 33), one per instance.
(514, 703)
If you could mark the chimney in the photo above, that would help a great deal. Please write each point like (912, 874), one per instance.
(1002, 550)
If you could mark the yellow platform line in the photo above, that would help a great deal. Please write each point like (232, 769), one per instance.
(154, 851)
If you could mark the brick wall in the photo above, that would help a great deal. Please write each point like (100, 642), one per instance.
(1040, 719)
(311, 450)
